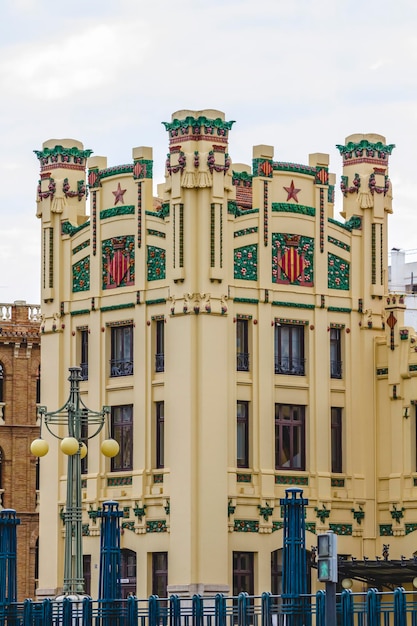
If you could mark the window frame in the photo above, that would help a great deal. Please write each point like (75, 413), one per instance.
(242, 345)
(160, 574)
(160, 345)
(289, 351)
(241, 572)
(294, 425)
(84, 352)
(336, 439)
(336, 369)
(160, 434)
(122, 431)
(242, 434)
(121, 350)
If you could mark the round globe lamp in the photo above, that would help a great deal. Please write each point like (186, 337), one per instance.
(39, 447)
(110, 448)
(70, 446)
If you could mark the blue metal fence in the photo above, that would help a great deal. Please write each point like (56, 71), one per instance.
(372, 608)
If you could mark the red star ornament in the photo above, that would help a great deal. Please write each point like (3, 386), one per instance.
(292, 192)
(118, 194)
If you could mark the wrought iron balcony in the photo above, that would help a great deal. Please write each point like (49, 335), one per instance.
(336, 369)
(242, 362)
(121, 367)
(160, 362)
(290, 365)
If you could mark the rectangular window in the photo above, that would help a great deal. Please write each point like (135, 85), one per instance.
(242, 428)
(335, 353)
(121, 363)
(122, 431)
(243, 573)
(87, 573)
(84, 353)
(160, 434)
(160, 574)
(336, 435)
(160, 345)
(242, 346)
(289, 349)
(289, 437)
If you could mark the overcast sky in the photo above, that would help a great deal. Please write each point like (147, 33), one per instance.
(299, 75)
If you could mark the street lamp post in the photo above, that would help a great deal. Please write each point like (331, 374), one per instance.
(76, 417)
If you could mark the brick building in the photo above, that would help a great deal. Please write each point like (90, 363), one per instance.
(19, 391)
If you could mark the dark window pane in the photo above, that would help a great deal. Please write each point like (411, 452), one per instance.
(335, 353)
(84, 353)
(242, 346)
(121, 363)
(160, 574)
(289, 349)
(242, 431)
(336, 439)
(160, 346)
(122, 431)
(289, 437)
(243, 575)
(160, 434)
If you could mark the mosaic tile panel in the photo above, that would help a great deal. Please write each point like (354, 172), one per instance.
(292, 259)
(246, 262)
(156, 265)
(338, 273)
(118, 258)
(81, 275)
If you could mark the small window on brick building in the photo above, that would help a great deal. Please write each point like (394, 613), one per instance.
(1, 382)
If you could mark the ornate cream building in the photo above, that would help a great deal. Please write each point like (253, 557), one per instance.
(245, 341)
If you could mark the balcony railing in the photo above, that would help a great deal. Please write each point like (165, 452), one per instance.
(121, 367)
(242, 362)
(336, 369)
(159, 362)
(290, 365)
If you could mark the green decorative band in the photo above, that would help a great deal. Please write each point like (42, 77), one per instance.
(81, 275)
(341, 529)
(286, 207)
(296, 305)
(336, 223)
(339, 309)
(382, 371)
(196, 123)
(412, 368)
(337, 482)
(283, 320)
(233, 209)
(244, 177)
(158, 479)
(367, 146)
(410, 528)
(67, 153)
(80, 312)
(84, 483)
(338, 243)
(280, 479)
(280, 166)
(246, 526)
(117, 307)
(142, 169)
(69, 229)
(128, 525)
(245, 231)
(311, 527)
(354, 223)
(243, 478)
(161, 214)
(243, 317)
(277, 526)
(385, 530)
(118, 481)
(117, 211)
(246, 300)
(119, 323)
(156, 233)
(339, 326)
(116, 171)
(82, 245)
(156, 526)
(156, 301)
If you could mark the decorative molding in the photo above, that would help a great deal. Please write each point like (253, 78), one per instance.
(118, 481)
(292, 259)
(156, 265)
(265, 511)
(246, 262)
(296, 305)
(311, 527)
(338, 272)
(246, 300)
(382, 371)
(339, 309)
(358, 515)
(156, 526)
(277, 526)
(142, 168)
(385, 530)
(338, 243)
(410, 528)
(117, 211)
(118, 262)
(337, 482)
(64, 155)
(162, 213)
(246, 526)
(156, 233)
(297, 168)
(233, 209)
(81, 275)
(322, 513)
(197, 125)
(117, 307)
(245, 231)
(341, 529)
(243, 478)
(69, 229)
(286, 207)
(80, 312)
(116, 170)
(354, 188)
(397, 514)
(365, 148)
(82, 245)
(156, 301)
(281, 479)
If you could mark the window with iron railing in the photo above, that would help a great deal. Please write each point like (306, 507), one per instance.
(160, 345)
(122, 431)
(335, 353)
(289, 349)
(242, 345)
(121, 363)
(84, 353)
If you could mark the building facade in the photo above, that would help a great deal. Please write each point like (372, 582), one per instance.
(245, 341)
(402, 278)
(19, 394)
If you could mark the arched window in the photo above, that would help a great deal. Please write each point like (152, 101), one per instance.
(1, 382)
